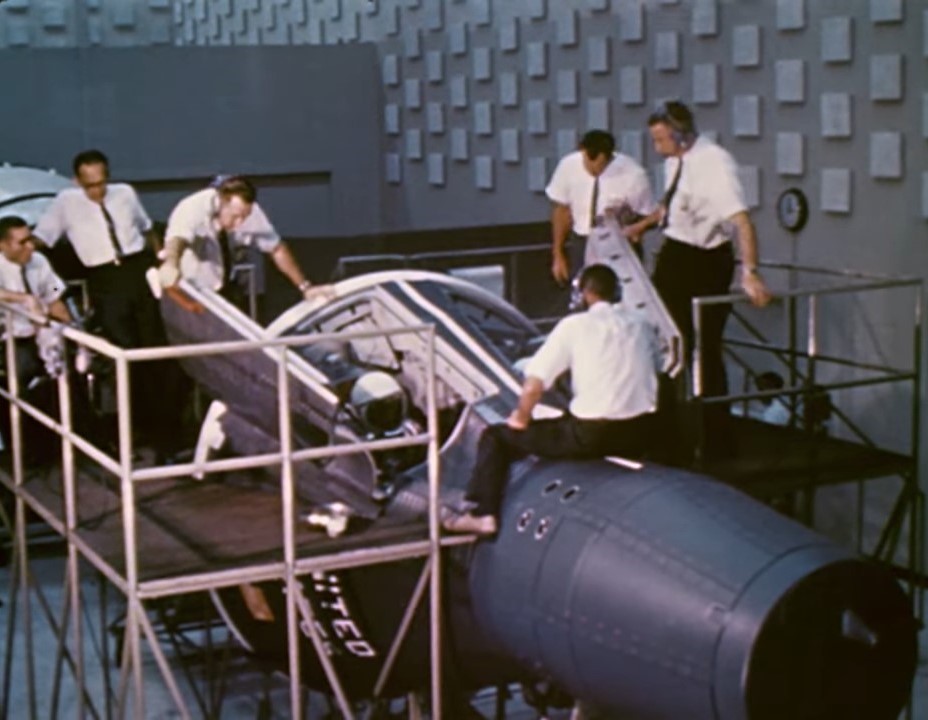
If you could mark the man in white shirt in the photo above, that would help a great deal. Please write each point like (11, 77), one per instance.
(613, 357)
(586, 184)
(702, 212)
(207, 230)
(27, 279)
(110, 233)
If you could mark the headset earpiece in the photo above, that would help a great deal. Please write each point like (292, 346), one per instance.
(679, 119)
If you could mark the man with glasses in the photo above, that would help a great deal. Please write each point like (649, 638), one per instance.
(112, 236)
(111, 233)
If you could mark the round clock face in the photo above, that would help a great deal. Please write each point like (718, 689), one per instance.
(792, 209)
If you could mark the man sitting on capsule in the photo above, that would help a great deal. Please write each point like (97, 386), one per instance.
(613, 355)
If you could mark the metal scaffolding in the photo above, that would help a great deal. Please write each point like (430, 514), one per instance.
(138, 591)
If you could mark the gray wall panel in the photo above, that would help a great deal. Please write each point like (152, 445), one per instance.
(221, 110)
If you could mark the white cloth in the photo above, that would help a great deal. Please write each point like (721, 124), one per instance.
(194, 221)
(623, 181)
(613, 355)
(776, 412)
(708, 194)
(43, 283)
(73, 214)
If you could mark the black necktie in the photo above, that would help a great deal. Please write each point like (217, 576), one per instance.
(223, 237)
(26, 286)
(111, 229)
(593, 201)
(671, 191)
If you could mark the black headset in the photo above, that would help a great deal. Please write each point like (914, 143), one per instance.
(679, 118)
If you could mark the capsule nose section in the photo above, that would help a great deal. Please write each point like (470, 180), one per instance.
(841, 644)
(665, 595)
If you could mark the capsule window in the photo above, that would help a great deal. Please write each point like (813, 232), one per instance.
(551, 487)
(570, 494)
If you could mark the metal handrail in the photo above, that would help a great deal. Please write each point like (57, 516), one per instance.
(289, 570)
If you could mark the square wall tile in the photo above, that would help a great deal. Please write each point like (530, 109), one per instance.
(567, 141)
(458, 89)
(886, 78)
(483, 64)
(537, 174)
(460, 151)
(600, 61)
(483, 118)
(836, 115)
(745, 119)
(509, 89)
(749, 175)
(568, 28)
(537, 60)
(631, 22)
(790, 81)
(537, 117)
(631, 85)
(837, 40)
(483, 172)
(567, 88)
(509, 35)
(791, 14)
(746, 46)
(886, 11)
(705, 18)
(413, 93)
(631, 143)
(667, 51)
(705, 84)
(457, 39)
(413, 144)
(436, 169)
(509, 145)
(393, 168)
(599, 113)
(836, 190)
(886, 155)
(435, 118)
(790, 154)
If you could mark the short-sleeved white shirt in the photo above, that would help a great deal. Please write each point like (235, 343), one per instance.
(613, 357)
(73, 214)
(623, 181)
(43, 283)
(194, 221)
(708, 194)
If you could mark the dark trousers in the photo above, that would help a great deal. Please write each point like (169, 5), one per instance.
(684, 272)
(128, 316)
(565, 437)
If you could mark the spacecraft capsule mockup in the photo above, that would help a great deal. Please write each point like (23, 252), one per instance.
(651, 594)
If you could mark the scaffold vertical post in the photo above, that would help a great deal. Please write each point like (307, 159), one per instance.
(435, 612)
(21, 549)
(127, 495)
(71, 520)
(289, 532)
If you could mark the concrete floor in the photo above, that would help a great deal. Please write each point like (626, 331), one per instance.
(249, 692)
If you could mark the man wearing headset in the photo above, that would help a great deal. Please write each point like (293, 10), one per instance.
(587, 183)
(701, 213)
(207, 230)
